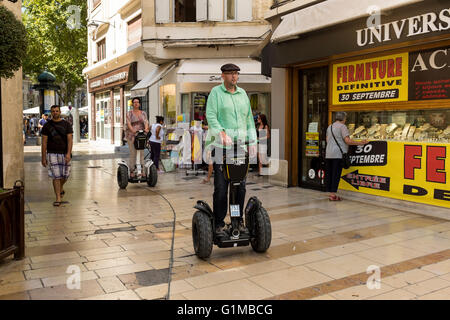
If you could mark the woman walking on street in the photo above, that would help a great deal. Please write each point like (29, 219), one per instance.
(337, 133)
(156, 140)
(136, 120)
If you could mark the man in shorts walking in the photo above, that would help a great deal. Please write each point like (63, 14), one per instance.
(57, 140)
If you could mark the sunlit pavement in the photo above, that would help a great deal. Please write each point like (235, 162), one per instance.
(121, 242)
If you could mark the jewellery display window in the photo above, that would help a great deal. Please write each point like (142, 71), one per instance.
(400, 125)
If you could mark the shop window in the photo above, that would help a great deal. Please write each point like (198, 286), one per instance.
(101, 50)
(135, 30)
(406, 125)
(167, 96)
(185, 107)
(185, 10)
(260, 104)
(117, 111)
(199, 103)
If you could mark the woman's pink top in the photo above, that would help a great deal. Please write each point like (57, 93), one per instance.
(137, 122)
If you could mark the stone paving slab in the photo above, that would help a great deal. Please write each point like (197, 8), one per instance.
(121, 241)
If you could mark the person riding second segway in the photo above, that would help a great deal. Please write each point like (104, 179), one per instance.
(230, 119)
(136, 120)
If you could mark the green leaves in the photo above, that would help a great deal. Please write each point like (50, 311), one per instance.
(58, 41)
(13, 43)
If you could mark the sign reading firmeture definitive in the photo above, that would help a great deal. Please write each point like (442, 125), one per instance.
(381, 79)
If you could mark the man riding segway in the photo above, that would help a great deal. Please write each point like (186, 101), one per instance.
(231, 130)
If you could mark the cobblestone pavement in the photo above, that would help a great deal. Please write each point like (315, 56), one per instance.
(121, 242)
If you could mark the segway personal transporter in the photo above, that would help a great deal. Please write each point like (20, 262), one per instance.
(258, 231)
(141, 142)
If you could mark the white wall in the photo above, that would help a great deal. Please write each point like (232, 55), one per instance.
(206, 87)
(278, 104)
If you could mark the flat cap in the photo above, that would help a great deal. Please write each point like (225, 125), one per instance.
(229, 67)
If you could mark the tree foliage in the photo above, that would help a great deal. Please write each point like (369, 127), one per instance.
(58, 41)
(13, 43)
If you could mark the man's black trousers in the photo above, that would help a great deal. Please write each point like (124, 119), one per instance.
(220, 196)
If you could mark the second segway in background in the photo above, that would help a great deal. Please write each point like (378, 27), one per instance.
(146, 172)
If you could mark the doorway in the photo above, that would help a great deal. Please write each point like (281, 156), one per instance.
(313, 124)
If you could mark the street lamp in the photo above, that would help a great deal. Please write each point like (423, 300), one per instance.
(96, 23)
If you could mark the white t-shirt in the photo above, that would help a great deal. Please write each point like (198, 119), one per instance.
(340, 131)
(161, 133)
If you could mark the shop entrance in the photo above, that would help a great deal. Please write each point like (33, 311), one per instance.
(313, 124)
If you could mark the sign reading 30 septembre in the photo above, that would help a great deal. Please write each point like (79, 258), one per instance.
(381, 79)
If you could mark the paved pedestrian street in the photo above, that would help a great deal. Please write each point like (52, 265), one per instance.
(121, 242)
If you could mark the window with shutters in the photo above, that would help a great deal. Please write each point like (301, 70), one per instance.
(134, 30)
(185, 11)
(101, 50)
(231, 10)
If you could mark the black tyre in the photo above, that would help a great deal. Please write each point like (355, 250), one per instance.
(152, 176)
(122, 177)
(262, 231)
(202, 234)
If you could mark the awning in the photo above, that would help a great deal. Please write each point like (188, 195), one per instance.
(34, 110)
(329, 13)
(208, 70)
(140, 89)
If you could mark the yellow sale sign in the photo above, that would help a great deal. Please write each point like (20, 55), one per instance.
(417, 172)
(381, 79)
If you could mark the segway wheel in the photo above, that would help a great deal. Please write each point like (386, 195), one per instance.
(122, 177)
(202, 235)
(152, 176)
(262, 231)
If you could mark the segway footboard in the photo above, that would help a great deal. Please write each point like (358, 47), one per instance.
(229, 243)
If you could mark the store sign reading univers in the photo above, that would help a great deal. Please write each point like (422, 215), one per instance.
(407, 28)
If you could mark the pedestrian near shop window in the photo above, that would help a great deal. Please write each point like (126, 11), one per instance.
(136, 120)
(56, 151)
(34, 124)
(156, 140)
(42, 121)
(208, 158)
(263, 133)
(334, 155)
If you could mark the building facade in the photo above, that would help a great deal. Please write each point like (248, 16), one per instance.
(11, 135)
(169, 53)
(115, 64)
(388, 71)
(190, 40)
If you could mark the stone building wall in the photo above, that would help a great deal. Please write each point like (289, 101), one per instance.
(12, 102)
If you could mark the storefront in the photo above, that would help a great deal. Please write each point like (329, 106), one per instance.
(394, 83)
(110, 97)
(182, 88)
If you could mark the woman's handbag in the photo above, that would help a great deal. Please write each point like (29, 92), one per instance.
(346, 163)
(140, 140)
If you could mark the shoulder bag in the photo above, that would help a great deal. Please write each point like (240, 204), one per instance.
(346, 163)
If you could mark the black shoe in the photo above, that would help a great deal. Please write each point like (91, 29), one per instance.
(242, 228)
(220, 231)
